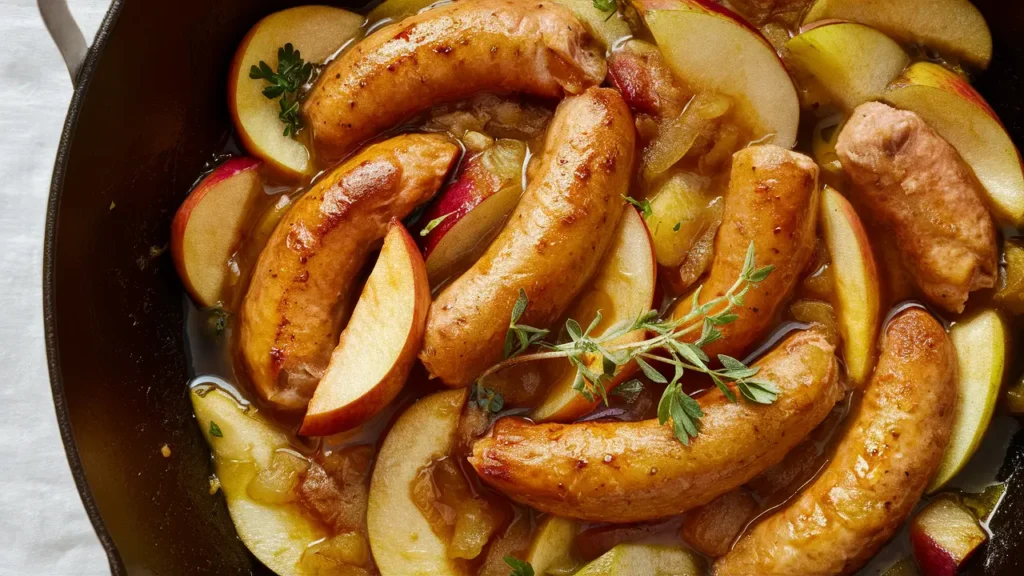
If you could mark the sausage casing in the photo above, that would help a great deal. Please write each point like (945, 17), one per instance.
(633, 471)
(449, 53)
(772, 202)
(880, 467)
(292, 315)
(551, 245)
(919, 187)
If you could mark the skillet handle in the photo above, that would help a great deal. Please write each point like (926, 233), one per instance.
(65, 33)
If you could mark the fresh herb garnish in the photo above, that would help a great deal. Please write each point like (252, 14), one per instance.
(669, 346)
(606, 6)
(519, 338)
(519, 567)
(292, 73)
(219, 320)
(215, 430)
(644, 206)
(488, 399)
(434, 224)
(629, 391)
(677, 226)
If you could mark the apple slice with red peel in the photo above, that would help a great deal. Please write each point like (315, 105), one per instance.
(843, 64)
(209, 225)
(622, 289)
(856, 282)
(954, 27)
(948, 103)
(401, 538)
(469, 213)
(379, 345)
(981, 353)
(712, 49)
(316, 32)
(943, 536)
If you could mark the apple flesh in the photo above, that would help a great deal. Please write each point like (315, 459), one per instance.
(948, 103)
(855, 274)
(244, 444)
(551, 549)
(378, 347)
(394, 10)
(622, 289)
(633, 559)
(401, 538)
(981, 352)
(843, 64)
(954, 27)
(316, 32)
(943, 537)
(680, 212)
(469, 213)
(712, 49)
(607, 27)
(209, 225)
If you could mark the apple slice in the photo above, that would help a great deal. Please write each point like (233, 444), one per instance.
(469, 213)
(843, 64)
(607, 27)
(634, 559)
(943, 536)
(680, 212)
(980, 344)
(955, 27)
(1010, 294)
(856, 282)
(244, 444)
(379, 345)
(317, 32)
(394, 10)
(622, 289)
(959, 114)
(401, 538)
(712, 49)
(551, 549)
(209, 225)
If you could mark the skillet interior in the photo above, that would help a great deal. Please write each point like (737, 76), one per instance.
(148, 112)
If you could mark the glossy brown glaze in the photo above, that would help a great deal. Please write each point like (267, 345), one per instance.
(772, 202)
(880, 468)
(923, 192)
(552, 244)
(626, 472)
(446, 54)
(298, 297)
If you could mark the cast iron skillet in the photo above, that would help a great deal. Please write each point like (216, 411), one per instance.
(148, 111)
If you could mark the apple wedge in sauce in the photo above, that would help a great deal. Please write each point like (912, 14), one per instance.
(379, 345)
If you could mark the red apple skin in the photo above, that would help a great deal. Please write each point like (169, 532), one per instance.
(207, 185)
(933, 560)
(474, 185)
(383, 392)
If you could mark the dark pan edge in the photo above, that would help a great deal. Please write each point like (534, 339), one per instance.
(49, 319)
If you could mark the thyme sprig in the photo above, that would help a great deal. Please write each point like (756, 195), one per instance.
(292, 73)
(675, 342)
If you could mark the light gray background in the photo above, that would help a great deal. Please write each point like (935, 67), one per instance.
(43, 527)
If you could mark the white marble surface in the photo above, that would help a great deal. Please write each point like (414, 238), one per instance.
(43, 527)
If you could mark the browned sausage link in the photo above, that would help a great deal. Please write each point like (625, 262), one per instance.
(880, 468)
(626, 472)
(550, 247)
(919, 187)
(292, 314)
(773, 202)
(446, 54)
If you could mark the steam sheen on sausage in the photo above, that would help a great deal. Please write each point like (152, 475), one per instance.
(292, 315)
(633, 471)
(880, 468)
(447, 54)
(551, 245)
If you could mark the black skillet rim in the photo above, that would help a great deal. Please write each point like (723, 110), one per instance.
(81, 87)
